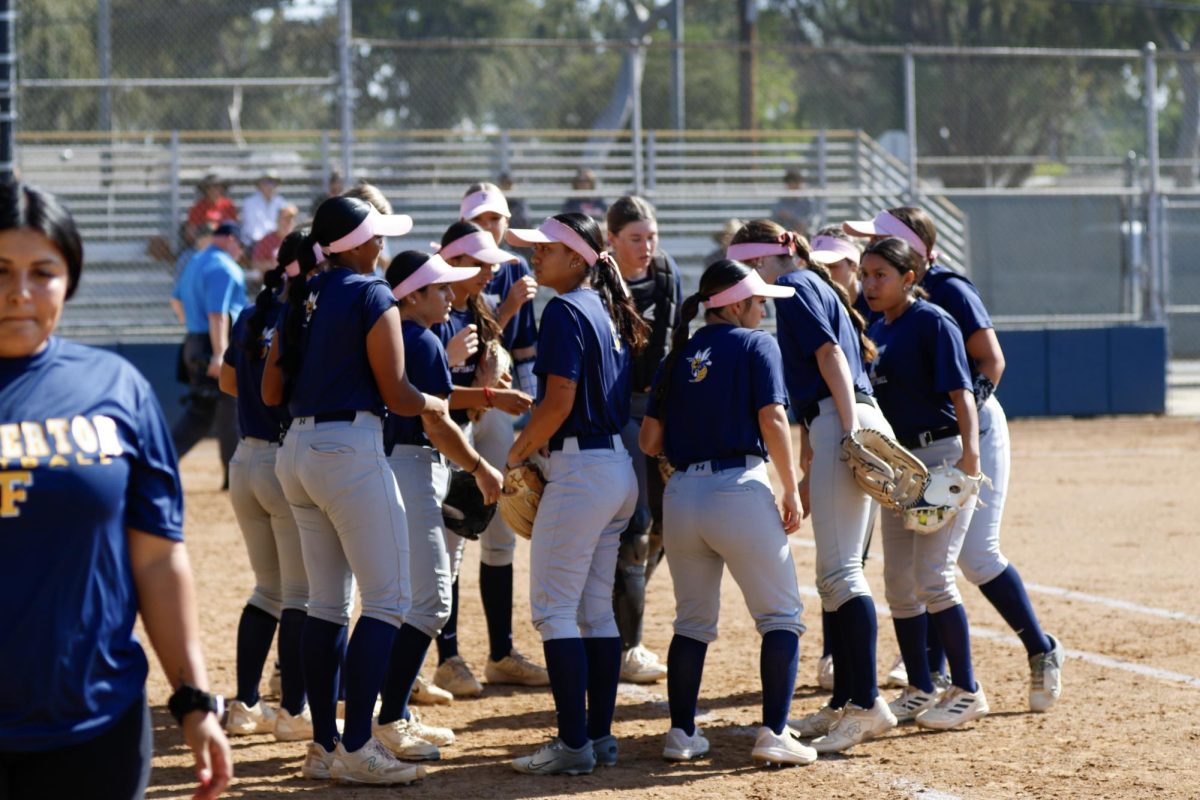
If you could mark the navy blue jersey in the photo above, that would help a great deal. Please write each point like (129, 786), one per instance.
(959, 297)
(255, 419)
(921, 359)
(462, 374)
(428, 369)
(521, 331)
(341, 309)
(578, 341)
(723, 377)
(812, 318)
(84, 455)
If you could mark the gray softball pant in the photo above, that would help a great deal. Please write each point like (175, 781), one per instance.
(492, 435)
(590, 496)
(423, 478)
(981, 559)
(272, 539)
(842, 513)
(351, 518)
(918, 568)
(713, 519)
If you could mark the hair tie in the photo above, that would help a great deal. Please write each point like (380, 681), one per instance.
(608, 260)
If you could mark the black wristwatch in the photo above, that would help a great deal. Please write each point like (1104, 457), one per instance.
(188, 698)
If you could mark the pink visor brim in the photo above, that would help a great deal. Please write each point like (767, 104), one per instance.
(435, 270)
(479, 245)
(744, 251)
(750, 286)
(373, 224)
(481, 202)
(552, 231)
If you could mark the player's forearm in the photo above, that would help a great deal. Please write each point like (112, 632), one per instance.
(650, 437)
(777, 436)
(968, 425)
(272, 379)
(546, 418)
(835, 371)
(163, 578)
(450, 441)
(984, 349)
(468, 397)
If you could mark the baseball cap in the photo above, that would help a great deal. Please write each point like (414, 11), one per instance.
(228, 229)
(435, 270)
(750, 286)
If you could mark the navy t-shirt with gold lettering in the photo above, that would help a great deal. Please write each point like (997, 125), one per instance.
(84, 455)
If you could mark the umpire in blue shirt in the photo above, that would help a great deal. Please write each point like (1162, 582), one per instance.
(212, 291)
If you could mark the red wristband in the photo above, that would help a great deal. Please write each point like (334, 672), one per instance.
(489, 395)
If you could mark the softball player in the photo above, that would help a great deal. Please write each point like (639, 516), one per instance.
(263, 514)
(653, 280)
(824, 350)
(719, 408)
(924, 387)
(472, 311)
(510, 290)
(340, 353)
(587, 333)
(417, 449)
(92, 512)
(981, 560)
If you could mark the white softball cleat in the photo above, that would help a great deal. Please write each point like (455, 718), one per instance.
(456, 677)
(781, 749)
(243, 720)
(897, 674)
(296, 728)
(639, 665)
(678, 746)
(855, 726)
(425, 693)
(372, 764)
(556, 758)
(1045, 677)
(516, 670)
(825, 673)
(317, 761)
(955, 707)
(912, 701)
(402, 740)
(816, 724)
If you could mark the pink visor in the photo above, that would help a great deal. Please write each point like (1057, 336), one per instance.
(373, 224)
(885, 224)
(293, 269)
(553, 231)
(435, 270)
(828, 250)
(743, 251)
(480, 245)
(478, 203)
(750, 286)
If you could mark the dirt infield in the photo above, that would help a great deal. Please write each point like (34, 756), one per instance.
(1105, 509)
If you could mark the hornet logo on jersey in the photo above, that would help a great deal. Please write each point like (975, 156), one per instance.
(700, 364)
(264, 341)
(310, 305)
(873, 373)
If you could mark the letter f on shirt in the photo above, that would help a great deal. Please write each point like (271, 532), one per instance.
(13, 484)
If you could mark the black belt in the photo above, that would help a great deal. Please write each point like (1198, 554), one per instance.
(719, 464)
(605, 441)
(335, 416)
(926, 438)
(813, 410)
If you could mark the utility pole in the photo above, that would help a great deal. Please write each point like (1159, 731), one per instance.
(747, 62)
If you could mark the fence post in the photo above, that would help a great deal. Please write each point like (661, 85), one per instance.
(503, 156)
(635, 125)
(822, 174)
(651, 168)
(176, 202)
(325, 168)
(856, 165)
(346, 90)
(1153, 206)
(8, 88)
(910, 123)
(677, 85)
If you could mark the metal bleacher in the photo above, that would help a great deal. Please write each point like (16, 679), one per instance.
(124, 190)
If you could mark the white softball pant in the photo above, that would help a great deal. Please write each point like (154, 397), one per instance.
(590, 496)
(841, 511)
(272, 539)
(981, 559)
(424, 479)
(918, 569)
(713, 519)
(493, 438)
(351, 518)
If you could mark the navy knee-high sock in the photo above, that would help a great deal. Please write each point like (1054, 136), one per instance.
(911, 633)
(685, 666)
(343, 645)
(828, 621)
(858, 629)
(956, 638)
(1006, 592)
(567, 663)
(322, 645)
(447, 638)
(843, 668)
(496, 591)
(408, 653)
(604, 673)
(779, 655)
(366, 666)
(256, 631)
(291, 660)
(935, 653)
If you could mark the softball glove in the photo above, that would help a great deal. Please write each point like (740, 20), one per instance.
(463, 510)
(884, 469)
(519, 500)
(949, 489)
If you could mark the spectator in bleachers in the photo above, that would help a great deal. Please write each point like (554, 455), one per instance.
(516, 205)
(212, 292)
(594, 207)
(721, 238)
(335, 187)
(793, 212)
(263, 254)
(213, 205)
(261, 209)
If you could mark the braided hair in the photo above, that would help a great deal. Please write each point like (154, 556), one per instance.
(273, 281)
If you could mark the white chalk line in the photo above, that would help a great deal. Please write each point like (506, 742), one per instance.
(1079, 597)
(1099, 659)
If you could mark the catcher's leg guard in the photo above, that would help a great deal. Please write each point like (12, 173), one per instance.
(629, 587)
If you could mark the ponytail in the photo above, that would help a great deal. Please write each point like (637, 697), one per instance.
(607, 281)
(488, 328)
(273, 281)
(296, 315)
